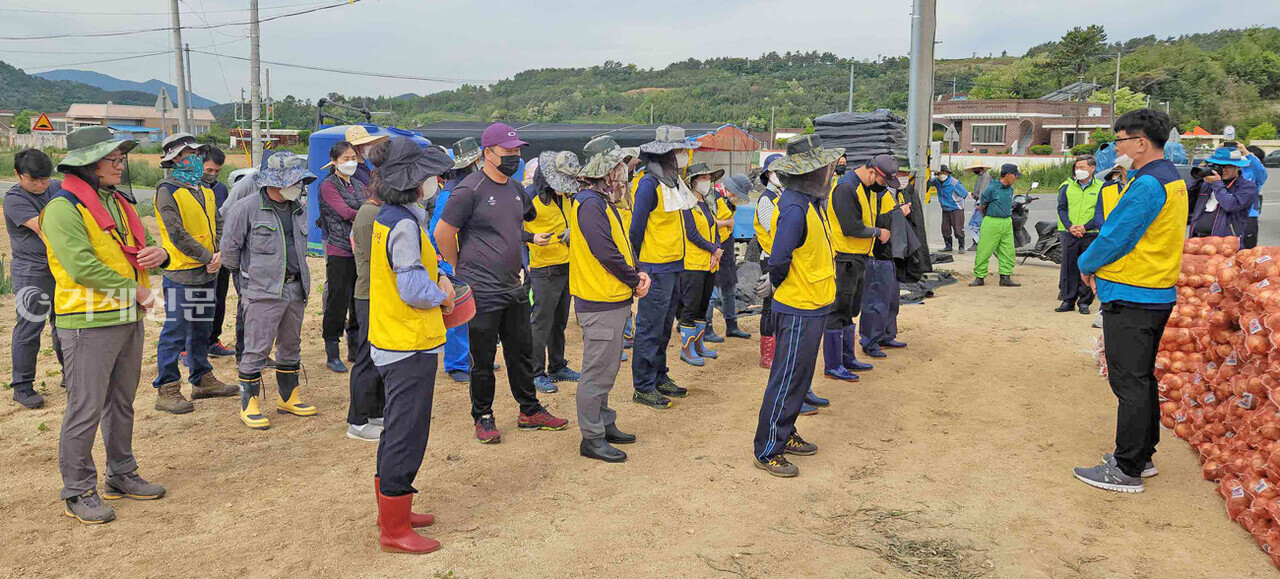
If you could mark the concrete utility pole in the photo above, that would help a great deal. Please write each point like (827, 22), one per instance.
(850, 87)
(1115, 89)
(255, 105)
(191, 113)
(180, 79)
(1075, 137)
(271, 117)
(920, 92)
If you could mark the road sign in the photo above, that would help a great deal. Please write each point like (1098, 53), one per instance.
(43, 124)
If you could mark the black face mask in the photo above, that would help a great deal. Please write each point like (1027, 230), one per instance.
(509, 165)
(840, 169)
(877, 188)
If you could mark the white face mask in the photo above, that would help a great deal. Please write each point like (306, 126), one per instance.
(682, 160)
(773, 180)
(348, 168)
(429, 187)
(902, 181)
(702, 187)
(292, 192)
(1125, 162)
(1082, 175)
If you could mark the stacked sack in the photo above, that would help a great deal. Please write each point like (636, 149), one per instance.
(863, 135)
(1218, 368)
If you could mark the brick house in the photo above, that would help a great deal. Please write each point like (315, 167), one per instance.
(1013, 125)
(131, 119)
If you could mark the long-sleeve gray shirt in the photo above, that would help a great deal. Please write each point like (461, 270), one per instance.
(167, 209)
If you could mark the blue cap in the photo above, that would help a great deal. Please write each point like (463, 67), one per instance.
(770, 159)
(1227, 156)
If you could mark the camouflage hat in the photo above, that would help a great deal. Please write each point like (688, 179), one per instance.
(600, 165)
(282, 170)
(698, 169)
(465, 152)
(561, 170)
(805, 154)
(88, 145)
(597, 145)
(668, 138)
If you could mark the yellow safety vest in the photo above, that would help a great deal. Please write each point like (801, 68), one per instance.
(663, 233)
(1156, 260)
(72, 298)
(588, 279)
(765, 237)
(696, 258)
(550, 219)
(811, 279)
(200, 223)
(722, 213)
(395, 326)
(853, 245)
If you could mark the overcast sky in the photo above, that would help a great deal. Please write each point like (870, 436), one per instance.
(486, 41)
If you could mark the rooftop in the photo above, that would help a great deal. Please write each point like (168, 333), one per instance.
(99, 111)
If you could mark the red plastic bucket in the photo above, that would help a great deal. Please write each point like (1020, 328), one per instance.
(464, 305)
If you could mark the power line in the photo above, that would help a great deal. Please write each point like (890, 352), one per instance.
(7, 51)
(225, 85)
(358, 72)
(56, 66)
(170, 28)
(79, 13)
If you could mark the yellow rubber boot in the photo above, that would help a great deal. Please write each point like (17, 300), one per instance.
(290, 402)
(250, 415)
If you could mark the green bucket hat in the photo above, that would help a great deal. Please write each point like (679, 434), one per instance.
(465, 152)
(88, 145)
(698, 169)
(599, 165)
(805, 154)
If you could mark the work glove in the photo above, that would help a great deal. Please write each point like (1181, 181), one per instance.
(764, 286)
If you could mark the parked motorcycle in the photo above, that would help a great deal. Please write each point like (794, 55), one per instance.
(1047, 246)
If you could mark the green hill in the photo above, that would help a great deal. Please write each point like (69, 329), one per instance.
(20, 91)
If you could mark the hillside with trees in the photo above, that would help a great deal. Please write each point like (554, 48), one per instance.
(20, 91)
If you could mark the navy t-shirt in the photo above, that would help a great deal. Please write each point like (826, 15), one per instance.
(29, 257)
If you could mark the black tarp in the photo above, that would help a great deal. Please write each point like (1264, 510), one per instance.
(863, 135)
(557, 136)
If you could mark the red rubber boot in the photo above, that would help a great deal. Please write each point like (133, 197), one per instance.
(397, 536)
(416, 520)
(766, 352)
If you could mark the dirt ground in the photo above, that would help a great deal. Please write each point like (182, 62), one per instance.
(951, 459)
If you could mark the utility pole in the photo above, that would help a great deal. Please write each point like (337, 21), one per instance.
(850, 87)
(271, 117)
(191, 113)
(1116, 88)
(180, 80)
(651, 113)
(773, 134)
(255, 104)
(920, 91)
(1075, 137)
(953, 87)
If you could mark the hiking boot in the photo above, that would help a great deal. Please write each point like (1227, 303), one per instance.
(28, 397)
(798, 446)
(731, 330)
(540, 420)
(217, 350)
(132, 486)
(614, 436)
(209, 386)
(487, 431)
(1084, 309)
(89, 509)
(169, 399)
(807, 409)
(1109, 477)
(565, 374)
(334, 362)
(1066, 306)
(368, 431)
(778, 466)
(460, 376)
(1148, 470)
(978, 281)
(544, 385)
(651, 399)
(669, 388)
(814, 400)
(1007, 281)
(600, 449)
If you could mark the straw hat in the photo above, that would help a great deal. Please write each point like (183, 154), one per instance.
(358, 135)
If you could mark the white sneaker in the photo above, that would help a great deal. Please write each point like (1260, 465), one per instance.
(376, 421)
(370, 432)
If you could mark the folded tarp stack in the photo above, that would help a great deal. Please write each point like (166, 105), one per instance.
(863, 135)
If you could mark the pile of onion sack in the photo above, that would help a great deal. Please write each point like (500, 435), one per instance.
(1219, 372)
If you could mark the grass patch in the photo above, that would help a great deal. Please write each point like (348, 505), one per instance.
(901, 538)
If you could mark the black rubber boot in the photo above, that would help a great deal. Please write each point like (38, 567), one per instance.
(978, 281)
(334, 357)
(1007, 281)
(731, 330)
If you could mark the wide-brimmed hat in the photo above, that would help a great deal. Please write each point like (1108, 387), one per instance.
(282, 170)
(174, 145)
(597, 145)
(561, 170)
(89, 145)
(407, 164)
(358, 135)
(1227, 156)
(668, 138)
(805, 154)
(465, 152)
(740, 186)
(600, 164)
(698, 169)
(977, 166)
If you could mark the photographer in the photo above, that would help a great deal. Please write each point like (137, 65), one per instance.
(1225, 197)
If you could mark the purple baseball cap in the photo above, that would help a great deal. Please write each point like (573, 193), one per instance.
(501, 135)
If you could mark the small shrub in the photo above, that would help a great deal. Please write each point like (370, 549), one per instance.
(1084, 149)
(6, 281)
(1041, 149)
